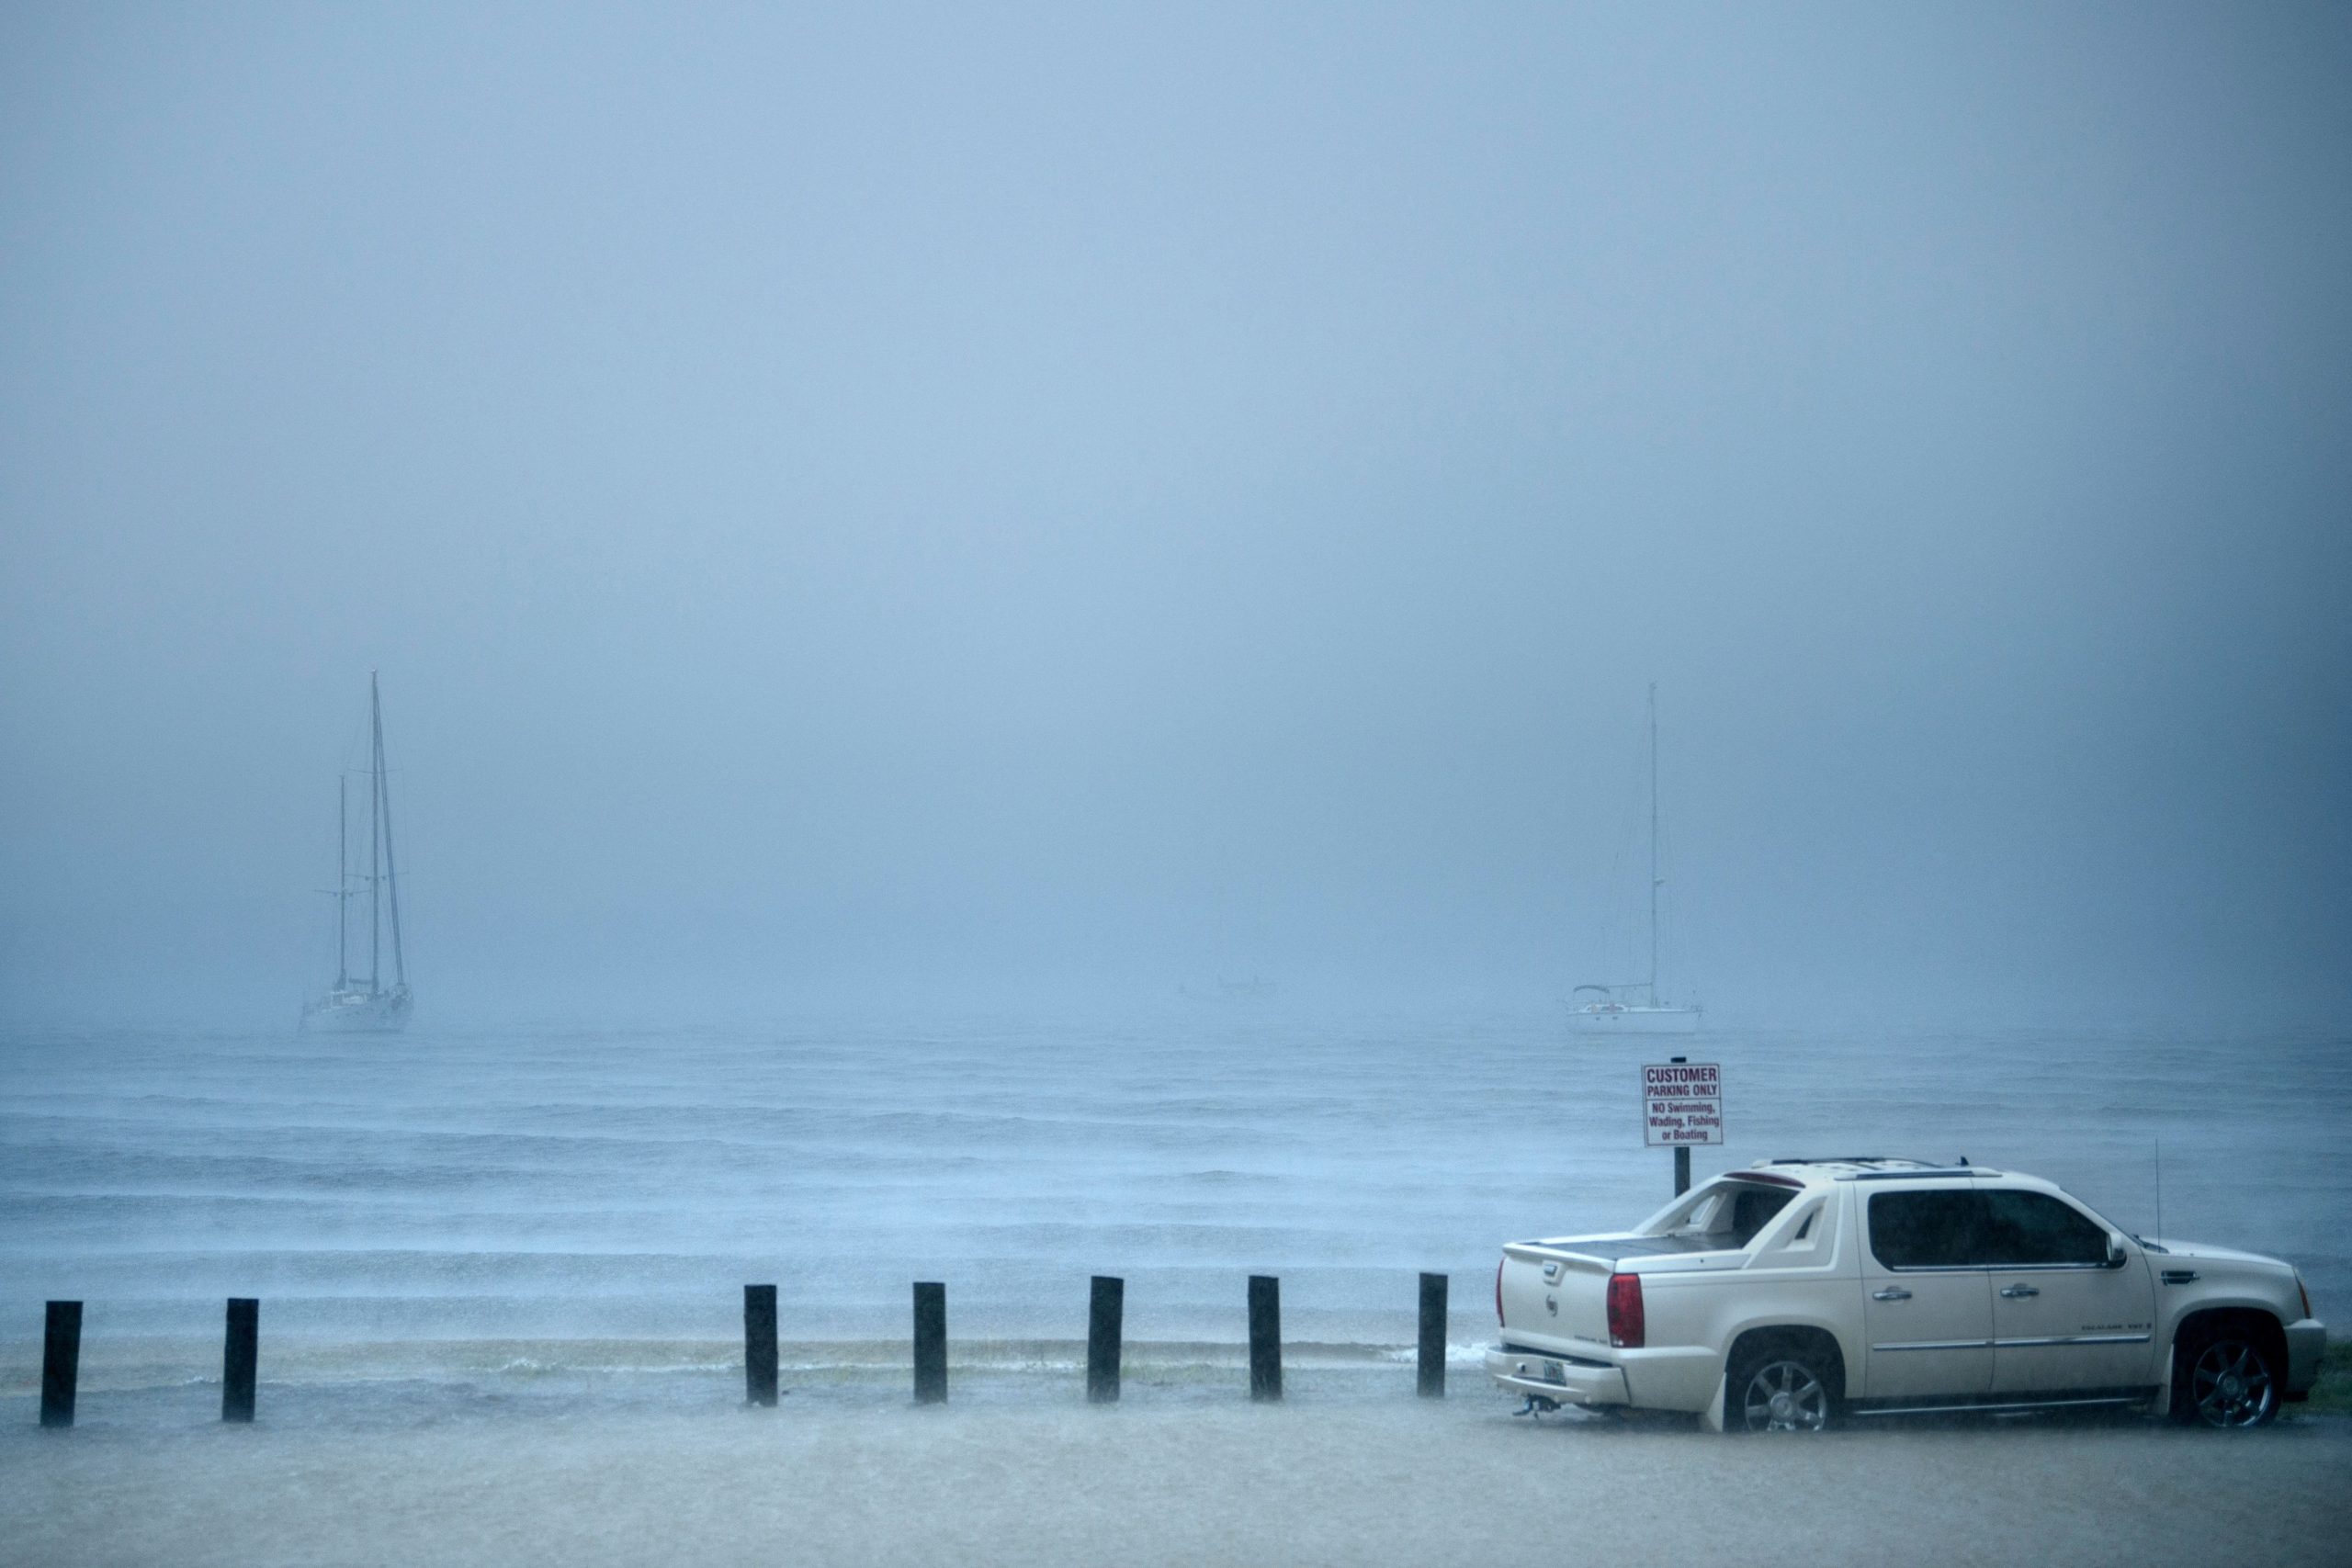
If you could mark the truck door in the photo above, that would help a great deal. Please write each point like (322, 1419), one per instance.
(2063, 1317)
(1927, 1301)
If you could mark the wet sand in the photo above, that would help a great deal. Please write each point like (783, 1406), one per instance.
(1408, 1484)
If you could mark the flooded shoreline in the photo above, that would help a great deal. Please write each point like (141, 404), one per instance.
(1314, 1482)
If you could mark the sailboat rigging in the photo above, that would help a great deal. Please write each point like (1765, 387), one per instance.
(373, 1007)
(1634, 1007)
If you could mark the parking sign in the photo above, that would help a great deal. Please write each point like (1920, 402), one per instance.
(1682, 1103)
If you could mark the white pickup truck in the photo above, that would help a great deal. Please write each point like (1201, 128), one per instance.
(1796, 1293)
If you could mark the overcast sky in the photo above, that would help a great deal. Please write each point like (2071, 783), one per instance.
(893, 506)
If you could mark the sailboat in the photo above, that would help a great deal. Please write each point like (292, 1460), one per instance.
(1634, 1007)
(364, 1005)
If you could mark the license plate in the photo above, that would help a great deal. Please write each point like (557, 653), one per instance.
(1554, 1372)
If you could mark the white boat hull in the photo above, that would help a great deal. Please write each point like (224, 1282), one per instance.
(359, 1012)
(1611, 1020)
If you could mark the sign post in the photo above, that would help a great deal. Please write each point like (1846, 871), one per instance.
(1683, 1104)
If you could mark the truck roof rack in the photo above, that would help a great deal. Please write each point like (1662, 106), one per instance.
(1884, 1168)
(1842, 1160)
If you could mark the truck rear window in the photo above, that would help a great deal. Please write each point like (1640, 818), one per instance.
(1728, 1215)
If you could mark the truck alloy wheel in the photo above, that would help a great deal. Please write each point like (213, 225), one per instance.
(1783, 1395)
(2230, 1385)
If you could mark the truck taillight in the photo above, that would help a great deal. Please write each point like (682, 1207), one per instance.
(1498, 1296)
(1627, 1329)
(2301, 1288)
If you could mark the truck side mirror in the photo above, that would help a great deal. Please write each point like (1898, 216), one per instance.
(2116, 1254)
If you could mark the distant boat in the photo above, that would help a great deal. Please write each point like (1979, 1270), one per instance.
(357, 1005)
(1634, 1007)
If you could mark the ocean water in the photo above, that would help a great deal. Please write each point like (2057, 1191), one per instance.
(559, 1217)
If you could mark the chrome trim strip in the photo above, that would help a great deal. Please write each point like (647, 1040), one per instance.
(2050, 1268)
(1932, 1268)
(2010, 1405)
(2071, 1340)
(1995, 1268)
(2021, 1343)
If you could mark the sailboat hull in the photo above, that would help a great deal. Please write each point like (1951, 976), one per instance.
(359, 1012)
(1611, 1020)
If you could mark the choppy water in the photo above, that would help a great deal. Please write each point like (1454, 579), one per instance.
(525, 1210)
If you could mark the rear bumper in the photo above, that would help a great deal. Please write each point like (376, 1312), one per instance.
(1551, 1377)
(2306, 1343)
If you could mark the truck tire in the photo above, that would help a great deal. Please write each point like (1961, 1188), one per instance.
(1777, 1386)
(2224, 1378)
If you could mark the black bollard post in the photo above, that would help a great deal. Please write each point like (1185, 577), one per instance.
(61, 1362)
(931, 1342)
(1432, 1358)
(759, 1344)
(1265, 1336)
(1105, 1305)
(239, 1355)
(1682, 1152)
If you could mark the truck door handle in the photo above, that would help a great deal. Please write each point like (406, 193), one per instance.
(2016, 1293)
(1892, 1293)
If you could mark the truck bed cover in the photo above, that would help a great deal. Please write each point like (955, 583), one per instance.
(1610, 1249)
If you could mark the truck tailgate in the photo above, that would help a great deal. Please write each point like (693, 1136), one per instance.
(1556, 1295)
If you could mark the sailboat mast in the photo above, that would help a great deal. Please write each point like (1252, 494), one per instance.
(391, 873)
(375, 838)
(1653, 843)
(342, 879)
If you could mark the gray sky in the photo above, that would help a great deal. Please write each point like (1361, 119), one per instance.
(991, 504)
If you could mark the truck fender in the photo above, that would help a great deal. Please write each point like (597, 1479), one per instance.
(2195, 1308)
(1766, 1324)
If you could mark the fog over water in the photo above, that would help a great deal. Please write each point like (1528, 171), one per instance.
(903, 506)
(1016, 643)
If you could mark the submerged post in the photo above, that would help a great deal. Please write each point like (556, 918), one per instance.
(1265, 1336)
(759, 1344)
(931, 1342)
(1432, 1346)
(1105, 1306)
(61, 1362)
(240, 1354)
